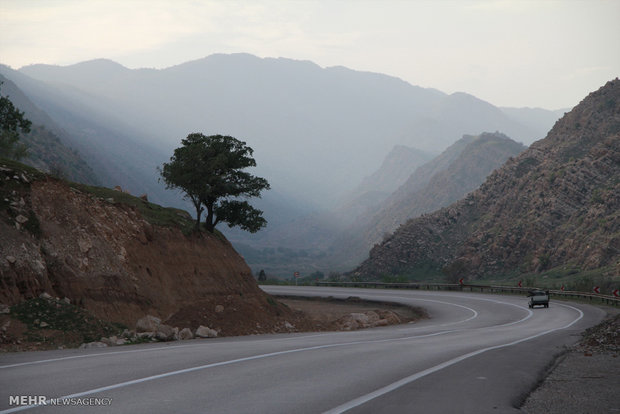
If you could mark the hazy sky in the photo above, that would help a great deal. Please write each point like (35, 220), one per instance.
(548, 54)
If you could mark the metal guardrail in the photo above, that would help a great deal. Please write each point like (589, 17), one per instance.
(606, 299)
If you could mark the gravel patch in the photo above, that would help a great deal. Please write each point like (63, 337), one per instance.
(586, 379)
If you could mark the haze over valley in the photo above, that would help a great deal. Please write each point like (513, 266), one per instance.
(320, 135)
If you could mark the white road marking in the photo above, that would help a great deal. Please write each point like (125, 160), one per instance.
(341, 408)
(218, 364)
(395, 385)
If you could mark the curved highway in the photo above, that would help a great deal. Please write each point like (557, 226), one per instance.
(478, 353)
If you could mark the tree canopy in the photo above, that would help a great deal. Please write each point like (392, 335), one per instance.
(209, 170)
(11, 122)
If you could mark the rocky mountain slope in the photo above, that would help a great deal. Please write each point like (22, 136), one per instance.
(554, 207)
(450, 176)
(120, 258)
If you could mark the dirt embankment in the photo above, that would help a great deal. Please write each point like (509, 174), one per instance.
(106, 258)
(332, 314)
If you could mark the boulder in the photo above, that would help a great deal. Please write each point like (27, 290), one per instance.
(148, 324)
(166, 332)
(186, 333)
(205, 332)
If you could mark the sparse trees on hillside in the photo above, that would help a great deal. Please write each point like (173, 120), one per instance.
(209, 170)
(12, 121)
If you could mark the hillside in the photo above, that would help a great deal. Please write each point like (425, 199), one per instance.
(553, 208)
(441, 181)
(120, 258)
(316, 132)
(48, 148)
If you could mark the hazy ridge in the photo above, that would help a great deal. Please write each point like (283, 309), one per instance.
(317, 132)
(553, 208)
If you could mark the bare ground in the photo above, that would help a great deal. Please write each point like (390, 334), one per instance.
(586, 379)
(332, 314)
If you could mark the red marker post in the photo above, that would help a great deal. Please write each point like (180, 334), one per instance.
(296, 275)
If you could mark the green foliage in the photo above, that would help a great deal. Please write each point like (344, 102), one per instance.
(209, 170)
(454, 271)
(12, 121)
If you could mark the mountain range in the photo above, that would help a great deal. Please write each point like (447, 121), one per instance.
(553, 209)
(318, 133)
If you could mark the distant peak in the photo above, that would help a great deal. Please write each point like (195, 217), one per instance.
(100, 63)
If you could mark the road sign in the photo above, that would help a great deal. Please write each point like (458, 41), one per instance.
(616, 293)
(461, 281)
(597, 289)
(520, 283)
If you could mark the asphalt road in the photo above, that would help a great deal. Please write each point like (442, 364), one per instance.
(478, 353)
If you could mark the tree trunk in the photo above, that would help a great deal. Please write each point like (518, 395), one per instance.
(209, 224)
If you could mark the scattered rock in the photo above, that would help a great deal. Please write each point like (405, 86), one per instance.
(186, 333)
(206, 332)
(11, 259)
(93, 345)
(85, 244)
(111, 341)
(166, 332)
(148, 324)
(45, 295)
(21, 219)
(219, 308)
(144, 197)
(4, 309)
(127, 334)
(145, 335)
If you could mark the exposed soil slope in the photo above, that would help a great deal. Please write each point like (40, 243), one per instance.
(104, 256)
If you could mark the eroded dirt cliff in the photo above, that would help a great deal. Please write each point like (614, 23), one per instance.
(106, 257)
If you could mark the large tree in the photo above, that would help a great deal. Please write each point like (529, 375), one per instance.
(210, 171)
(11, 122)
